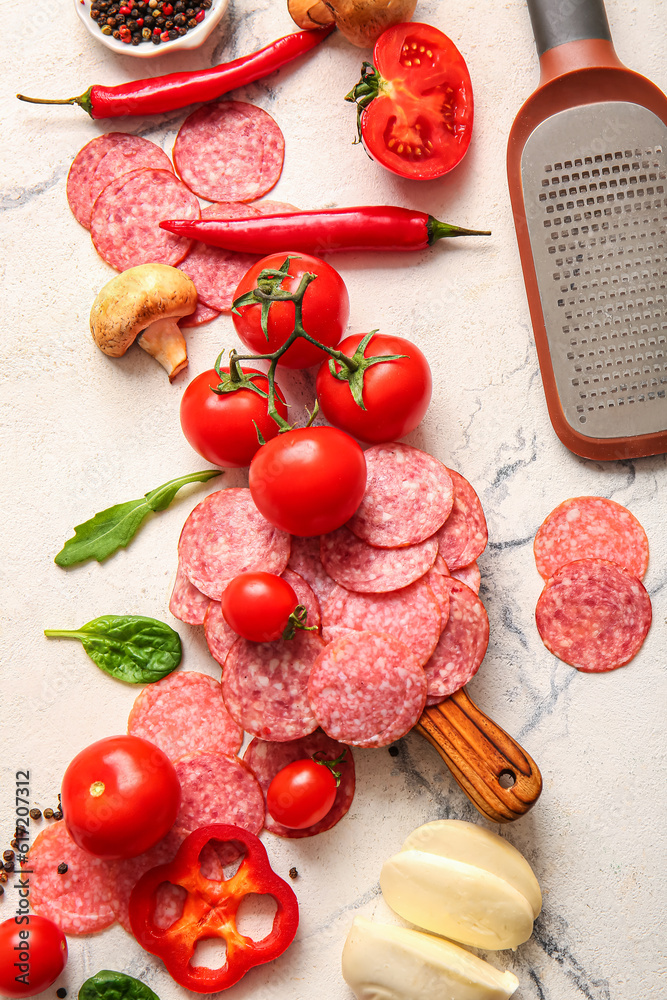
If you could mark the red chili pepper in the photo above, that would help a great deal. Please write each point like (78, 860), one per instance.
(178, 90)
(377, 227)
(210, 911)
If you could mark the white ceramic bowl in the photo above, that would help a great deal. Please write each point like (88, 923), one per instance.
(146, 50)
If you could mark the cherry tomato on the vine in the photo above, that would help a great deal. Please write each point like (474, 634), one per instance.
(308, 481)
(396, 393)
(258, 605)
(33, 953)
(223, 428)
(120, 796)
(420, 121)
(326, 307)
(301, 794)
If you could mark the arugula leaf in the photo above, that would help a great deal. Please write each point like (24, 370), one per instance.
(115, 527)
(108, 985)
(131, 648)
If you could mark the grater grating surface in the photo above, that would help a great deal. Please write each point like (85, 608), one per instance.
(594, 185)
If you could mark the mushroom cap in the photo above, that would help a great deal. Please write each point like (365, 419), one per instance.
(134, 299)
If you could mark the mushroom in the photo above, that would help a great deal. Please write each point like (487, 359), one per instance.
(310, 13)
(145, 302)
(363, 21)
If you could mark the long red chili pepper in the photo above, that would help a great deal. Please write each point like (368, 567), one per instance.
(178, 90)
(375, 227)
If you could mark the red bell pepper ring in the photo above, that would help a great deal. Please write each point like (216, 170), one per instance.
(210, 911)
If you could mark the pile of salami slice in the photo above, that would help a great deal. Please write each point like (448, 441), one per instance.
(121, 186)
(594, 612)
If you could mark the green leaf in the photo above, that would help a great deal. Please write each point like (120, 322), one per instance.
(107, 985)
(131, 648)
(115, 527)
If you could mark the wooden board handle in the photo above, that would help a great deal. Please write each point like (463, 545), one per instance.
(497, 774)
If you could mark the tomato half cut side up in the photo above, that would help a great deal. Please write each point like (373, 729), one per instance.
(419, 122)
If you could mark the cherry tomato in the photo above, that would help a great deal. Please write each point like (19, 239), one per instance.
(326, 307)
(258, 605)
(420, 123)
(308, 481)
(33, 953)
(301, 794)
(396, 394)
(120, 796)
(223, 428)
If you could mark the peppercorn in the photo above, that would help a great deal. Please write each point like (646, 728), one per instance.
(8, 866)
(149, 22)
(3, 876)
(293, 873)
(62, 868)
(2, 891)
(14, 843)
(35, 813)
(207, 4)
(106, 30)
(61, 993)
(57, 814)
(155, 39)
(192, 23)
(168, 25)
(179, 6)
(8, 855)
(160, 21)
(95, 14)
(190, 11)
(48, 814)
(167, 9)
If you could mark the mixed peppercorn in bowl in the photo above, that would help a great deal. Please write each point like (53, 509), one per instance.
(149, 28)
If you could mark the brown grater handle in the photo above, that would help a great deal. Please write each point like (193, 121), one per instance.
(483, 758)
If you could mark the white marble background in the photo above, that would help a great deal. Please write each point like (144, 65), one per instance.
(81, 431)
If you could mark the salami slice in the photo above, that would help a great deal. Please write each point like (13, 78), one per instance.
(370, 570)
(305, 596)
(218, 789)
(265, 759)
(126, 873)
(409, 496)
(201, 315)
(80, 901)
(220, 636)
(226, 535)
(367, 690)
(470, 575)
(305, 560)
(265, 686)
(130, 152)
(462, 645)
(185, 712)
(436, 582)
(268, 207)
(217, 272)
(81, 173)
(411, 614)
(593, 615)
(229, 151)
(464, 535)
(186, 602)
(124, 224)
(591, 528)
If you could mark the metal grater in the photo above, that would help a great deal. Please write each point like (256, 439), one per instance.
(594, 180)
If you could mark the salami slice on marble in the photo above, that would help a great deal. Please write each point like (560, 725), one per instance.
(470, 575)
(265, 686)
(591, 528)
(305, 596)
(229, 151)
(462, 645)
(185, 712)
(464, 535)
(126, 873)
(440, 589)
(186, 602)
(367, 689)
(265, 759)
(202, 314)
(593, 615)
(216, 788)
(216, 272)
(409, 496)
(268, 207)
(130, 152)
(306, 561)
(220, 636)
(356, 565)
(81, 172)
(411, 614)
(124, 224)
(226, 535)
(82, 900)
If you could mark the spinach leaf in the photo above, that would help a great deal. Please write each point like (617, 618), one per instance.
(107, 985)
(115, 527)
(131, 648)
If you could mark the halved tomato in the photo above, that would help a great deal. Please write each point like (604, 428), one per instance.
(415, 103)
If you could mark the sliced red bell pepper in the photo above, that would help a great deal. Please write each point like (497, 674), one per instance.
(210, 911)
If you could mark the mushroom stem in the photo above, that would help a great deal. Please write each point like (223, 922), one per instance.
(309, 13)
(165, 342)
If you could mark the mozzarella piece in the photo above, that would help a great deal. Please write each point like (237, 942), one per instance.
(457, 900)
(382, 962)
(460, 841)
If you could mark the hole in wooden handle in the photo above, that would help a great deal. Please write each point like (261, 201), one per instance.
(507, 779)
